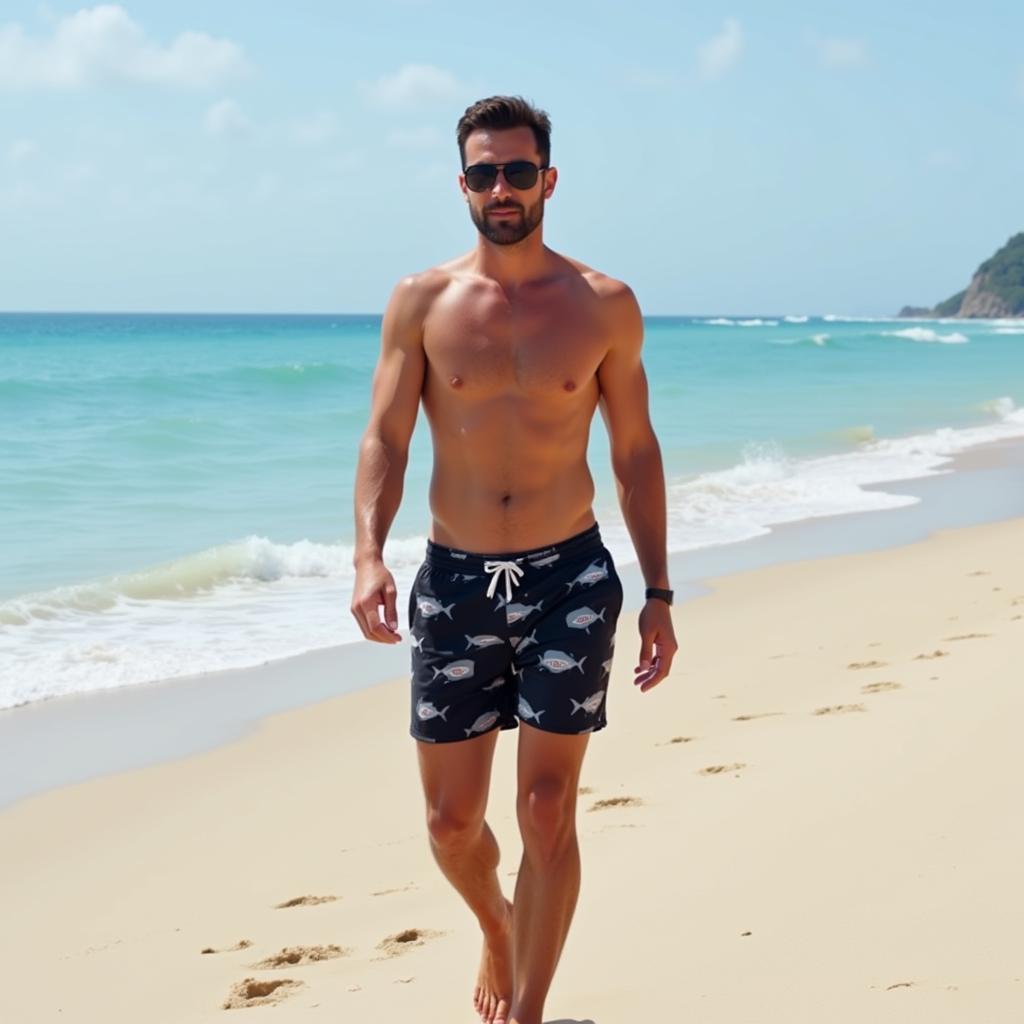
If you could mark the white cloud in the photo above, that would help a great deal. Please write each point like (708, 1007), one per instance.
(226, 120)
(412, 85)
(721, 52)
(424, 137)
(103, 44)
(21, 150)
(834, 52)
(315, 129)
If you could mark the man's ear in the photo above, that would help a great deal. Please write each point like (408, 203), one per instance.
(550, 180)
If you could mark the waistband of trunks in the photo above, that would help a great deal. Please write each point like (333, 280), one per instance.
(455, 558)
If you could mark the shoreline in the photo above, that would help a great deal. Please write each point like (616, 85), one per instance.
(73, 738)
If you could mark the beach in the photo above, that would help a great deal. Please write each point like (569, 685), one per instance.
(810, 819)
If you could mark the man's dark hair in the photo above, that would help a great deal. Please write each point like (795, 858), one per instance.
(500, 112)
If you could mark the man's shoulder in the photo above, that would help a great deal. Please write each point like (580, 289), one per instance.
(604, 286)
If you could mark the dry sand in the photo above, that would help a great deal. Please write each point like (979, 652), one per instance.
(815, 818)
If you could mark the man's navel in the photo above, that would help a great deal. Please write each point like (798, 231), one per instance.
(569, 385)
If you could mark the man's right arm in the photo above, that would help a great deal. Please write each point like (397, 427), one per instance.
(383, 453)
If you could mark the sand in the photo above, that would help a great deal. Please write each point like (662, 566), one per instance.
(815, 818)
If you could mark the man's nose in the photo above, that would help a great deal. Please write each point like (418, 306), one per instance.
(501, 187)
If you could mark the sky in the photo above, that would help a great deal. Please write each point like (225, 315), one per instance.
(247, 156)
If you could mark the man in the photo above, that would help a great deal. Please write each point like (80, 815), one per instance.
(510, 348)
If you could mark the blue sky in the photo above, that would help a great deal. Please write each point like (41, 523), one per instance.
(796, 157)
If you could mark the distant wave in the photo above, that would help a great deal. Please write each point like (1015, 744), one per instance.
(819, 340)
(795, 319)
(724, 321)
(1009, 330)
(927, 334)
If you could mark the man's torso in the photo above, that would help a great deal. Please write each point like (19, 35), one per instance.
(510, 388)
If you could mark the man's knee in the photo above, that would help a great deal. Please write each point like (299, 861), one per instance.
(547, 816)
(452, 827)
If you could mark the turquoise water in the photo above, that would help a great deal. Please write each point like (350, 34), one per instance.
(176, 491)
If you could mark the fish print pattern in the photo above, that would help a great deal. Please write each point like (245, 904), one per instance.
(483, 640)
(483, 723)
(584, 618)
(590, 705)
(559, 661)
(526, 712)
(454, 670)
(429, 607)
(593, 573)
(425, 711)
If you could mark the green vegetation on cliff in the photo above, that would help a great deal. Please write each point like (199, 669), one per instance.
(997, 288)
(1004, 274)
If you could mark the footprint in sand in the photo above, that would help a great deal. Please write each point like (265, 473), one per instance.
(750, 718)
(304, 901)
(241, 944)
(615, 801)
(866, 664)
(899, 984)
(403, 941)
(676, 739)
(935, 654)
(967, 636)
(879, 687)
(584, 790)
(836, 709)
(980, 572)
(388, 892)
(717, 769)
(259, 993)
(292, 956)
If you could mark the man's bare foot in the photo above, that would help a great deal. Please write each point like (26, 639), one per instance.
(493, 993)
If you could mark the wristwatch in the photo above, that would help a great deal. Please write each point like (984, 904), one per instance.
(658, 592)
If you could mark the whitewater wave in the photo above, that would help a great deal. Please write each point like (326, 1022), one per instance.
(927, 334)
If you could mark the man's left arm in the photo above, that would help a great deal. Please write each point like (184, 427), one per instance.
(639, 475)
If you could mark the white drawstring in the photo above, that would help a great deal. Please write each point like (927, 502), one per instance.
(512, 572)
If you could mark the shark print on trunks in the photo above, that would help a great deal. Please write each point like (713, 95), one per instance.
(532, 650)
(559, 661)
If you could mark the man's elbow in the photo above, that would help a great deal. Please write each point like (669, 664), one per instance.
(639, 457)
(381, 446)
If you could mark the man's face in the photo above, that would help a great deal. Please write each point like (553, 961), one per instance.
(503, 214)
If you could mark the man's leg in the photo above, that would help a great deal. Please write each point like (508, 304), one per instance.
(456, 779)
(549, 876)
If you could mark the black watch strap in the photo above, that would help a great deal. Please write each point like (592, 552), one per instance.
(658, 592)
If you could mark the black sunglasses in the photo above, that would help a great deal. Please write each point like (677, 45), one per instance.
(520, 174)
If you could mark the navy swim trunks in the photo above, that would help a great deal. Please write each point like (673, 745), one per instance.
(527, 634)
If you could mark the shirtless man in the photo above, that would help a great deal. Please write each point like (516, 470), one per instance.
(511, 347)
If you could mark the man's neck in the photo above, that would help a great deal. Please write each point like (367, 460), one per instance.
(512, 266)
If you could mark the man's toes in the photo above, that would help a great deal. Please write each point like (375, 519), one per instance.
(501, 1013)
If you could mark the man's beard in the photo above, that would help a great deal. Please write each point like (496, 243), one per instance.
(508, 230)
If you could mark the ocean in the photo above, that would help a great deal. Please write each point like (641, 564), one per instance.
(176, 490)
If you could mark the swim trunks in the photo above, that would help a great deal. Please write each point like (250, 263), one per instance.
(523, 633)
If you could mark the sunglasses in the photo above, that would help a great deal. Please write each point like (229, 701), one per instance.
(520, 174)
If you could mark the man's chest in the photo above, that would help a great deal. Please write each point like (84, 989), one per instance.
(488, 348)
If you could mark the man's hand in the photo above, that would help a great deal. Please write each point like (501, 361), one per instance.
(375, 586)
(657, 644)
